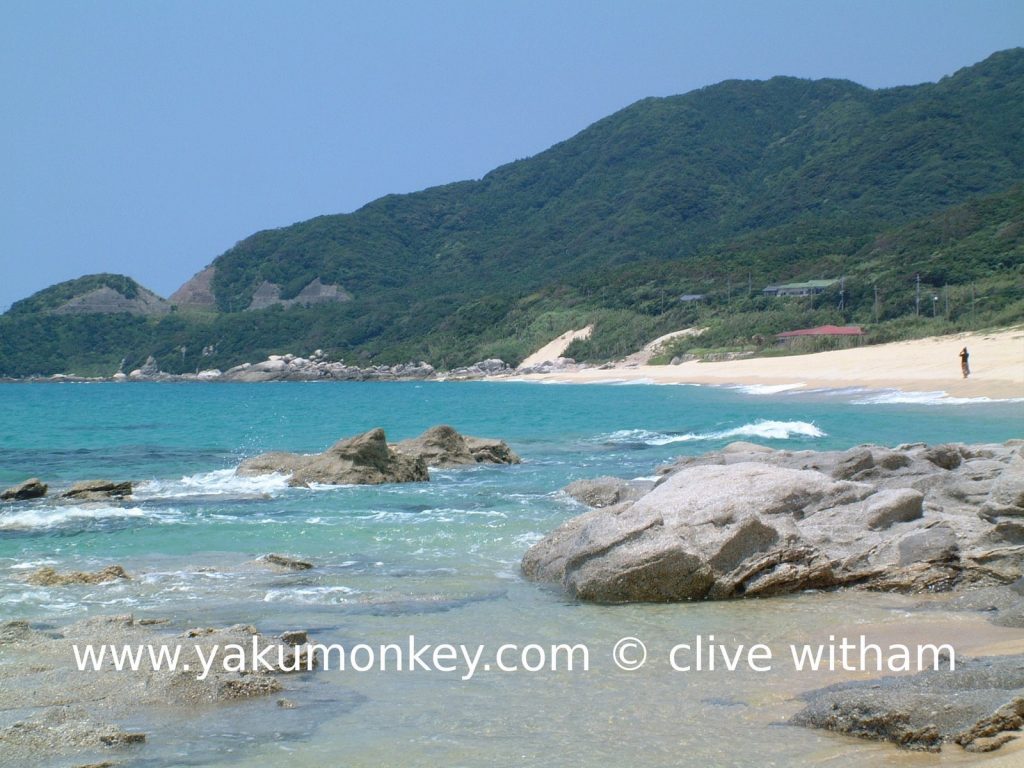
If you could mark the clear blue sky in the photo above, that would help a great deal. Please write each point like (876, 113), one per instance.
(148, 137)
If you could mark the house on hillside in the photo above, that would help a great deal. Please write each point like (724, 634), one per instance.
(851, 332)
(810, 288)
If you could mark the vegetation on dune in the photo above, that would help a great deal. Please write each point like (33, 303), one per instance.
(717, 192)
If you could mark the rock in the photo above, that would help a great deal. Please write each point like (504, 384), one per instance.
(439, 446)
(443, 447)
(294, 637)
(98, 490)
(605, 491)
(973, 705)
(48, 577)
(284, 562)
(744, 522)
(930, 545)
(1009, 717)
(487, 450)
(1006, 497)
(33, 488)
(150, 368)
(899, 505)
(857, 461)
(248, 687)
(708, 531)
(65, 727)
(368, 459)
(946, 457)
(14, 631)
(360, 460)
(741, 446)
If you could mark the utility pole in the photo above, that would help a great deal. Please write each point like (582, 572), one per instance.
(945, 290)
(974, 302)
(876, 302)
(917, 305)
(842, 294)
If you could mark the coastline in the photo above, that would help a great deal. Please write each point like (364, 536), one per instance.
(921, 365)
(928, 366)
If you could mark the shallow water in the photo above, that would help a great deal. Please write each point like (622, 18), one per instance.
(439, 561)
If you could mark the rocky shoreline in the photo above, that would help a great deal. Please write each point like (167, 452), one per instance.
(317, 367)
(748, 521)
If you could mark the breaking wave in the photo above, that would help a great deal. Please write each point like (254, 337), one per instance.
(763, 428)
(221, 482)
(35, 519)
(898, 397)
(766, 389)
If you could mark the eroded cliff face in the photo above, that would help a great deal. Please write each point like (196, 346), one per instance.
(105, 300)
(197, 292)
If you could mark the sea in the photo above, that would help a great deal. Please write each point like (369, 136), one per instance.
(439, 561)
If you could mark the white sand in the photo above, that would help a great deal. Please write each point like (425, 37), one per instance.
(556, 347)
(922, 365)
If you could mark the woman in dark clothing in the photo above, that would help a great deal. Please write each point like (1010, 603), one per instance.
(963, 362)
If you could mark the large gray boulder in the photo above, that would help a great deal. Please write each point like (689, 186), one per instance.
(443, 447)
(744, 521)
(361, 460)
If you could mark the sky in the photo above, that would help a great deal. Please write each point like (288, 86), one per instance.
(146, 138)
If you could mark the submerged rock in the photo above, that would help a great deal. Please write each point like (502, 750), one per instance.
(33, 488)
(53, 717)
(746, 521)
(48, 577)
(283, 562)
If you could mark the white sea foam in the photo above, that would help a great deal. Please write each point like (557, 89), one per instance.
(310, 595)
(56, 517)
(763, 428)
(220, 482)
(767, 389)
(898, 397)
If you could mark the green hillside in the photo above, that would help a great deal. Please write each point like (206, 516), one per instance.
(719, 192)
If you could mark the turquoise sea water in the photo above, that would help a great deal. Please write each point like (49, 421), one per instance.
(437, 559)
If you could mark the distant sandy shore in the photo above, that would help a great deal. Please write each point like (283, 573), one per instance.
(922, 365)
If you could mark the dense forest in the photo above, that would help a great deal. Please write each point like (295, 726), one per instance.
(911, 198)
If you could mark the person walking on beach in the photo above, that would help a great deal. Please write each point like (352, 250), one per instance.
(964, 355)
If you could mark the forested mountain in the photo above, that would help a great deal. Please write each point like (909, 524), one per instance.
(718, 192)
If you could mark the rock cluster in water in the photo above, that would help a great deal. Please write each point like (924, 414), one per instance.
(749, 521)
(83, 491)
(368, 459)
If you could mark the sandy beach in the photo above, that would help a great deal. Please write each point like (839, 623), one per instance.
(921, 365)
